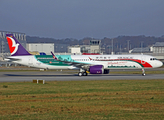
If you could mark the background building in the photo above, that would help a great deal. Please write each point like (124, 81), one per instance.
(40, 47)
(140, 50)
(74, 49)
(61, 48)
(94, 47)
(85, 48)
(158, 47)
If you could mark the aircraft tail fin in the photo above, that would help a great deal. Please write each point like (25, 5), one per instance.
(16, 49)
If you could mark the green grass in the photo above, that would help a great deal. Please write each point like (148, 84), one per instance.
(79, 100)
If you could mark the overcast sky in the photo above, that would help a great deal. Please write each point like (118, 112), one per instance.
(83, 18)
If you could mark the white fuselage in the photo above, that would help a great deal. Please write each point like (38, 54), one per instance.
(108, 61)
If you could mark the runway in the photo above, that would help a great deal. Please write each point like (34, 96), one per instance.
(62, 76)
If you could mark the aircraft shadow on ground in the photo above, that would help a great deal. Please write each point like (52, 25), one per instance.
(90, 75)
(18, 75)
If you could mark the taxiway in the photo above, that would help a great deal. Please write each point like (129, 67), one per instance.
(62, 76)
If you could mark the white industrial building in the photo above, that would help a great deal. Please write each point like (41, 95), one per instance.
(74, 49)
(158, 47)
(84, 49)
(94, 47)
(40, 47)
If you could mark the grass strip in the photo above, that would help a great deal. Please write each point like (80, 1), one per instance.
(78, 100)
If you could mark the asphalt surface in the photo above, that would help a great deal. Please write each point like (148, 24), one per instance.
(21, 76)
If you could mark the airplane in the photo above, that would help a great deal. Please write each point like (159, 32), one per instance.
(93, 64)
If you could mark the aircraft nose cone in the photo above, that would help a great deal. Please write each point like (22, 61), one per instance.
(160, 63)
(157, 64)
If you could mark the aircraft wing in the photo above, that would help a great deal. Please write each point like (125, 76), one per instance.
(76, 64)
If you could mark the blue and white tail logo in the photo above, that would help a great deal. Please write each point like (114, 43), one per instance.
(16, 49)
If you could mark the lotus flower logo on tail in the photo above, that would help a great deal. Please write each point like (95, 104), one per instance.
(12, 45)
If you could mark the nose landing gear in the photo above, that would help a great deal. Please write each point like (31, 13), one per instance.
(143, 72)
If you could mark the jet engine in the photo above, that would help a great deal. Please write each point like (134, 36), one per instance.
(98, 69)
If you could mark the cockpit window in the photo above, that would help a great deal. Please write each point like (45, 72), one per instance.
(153, 58)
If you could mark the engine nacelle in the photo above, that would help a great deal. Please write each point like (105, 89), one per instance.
(98, 69)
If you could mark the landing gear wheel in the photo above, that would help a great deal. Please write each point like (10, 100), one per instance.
(85, 74)
(80, 74)
(143, 72)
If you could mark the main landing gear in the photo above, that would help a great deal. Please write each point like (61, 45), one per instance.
(143, 72)
(82, 73)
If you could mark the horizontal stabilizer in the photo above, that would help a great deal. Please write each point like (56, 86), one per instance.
(11, 59)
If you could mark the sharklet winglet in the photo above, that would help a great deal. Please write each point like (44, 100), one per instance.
(54, 56)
